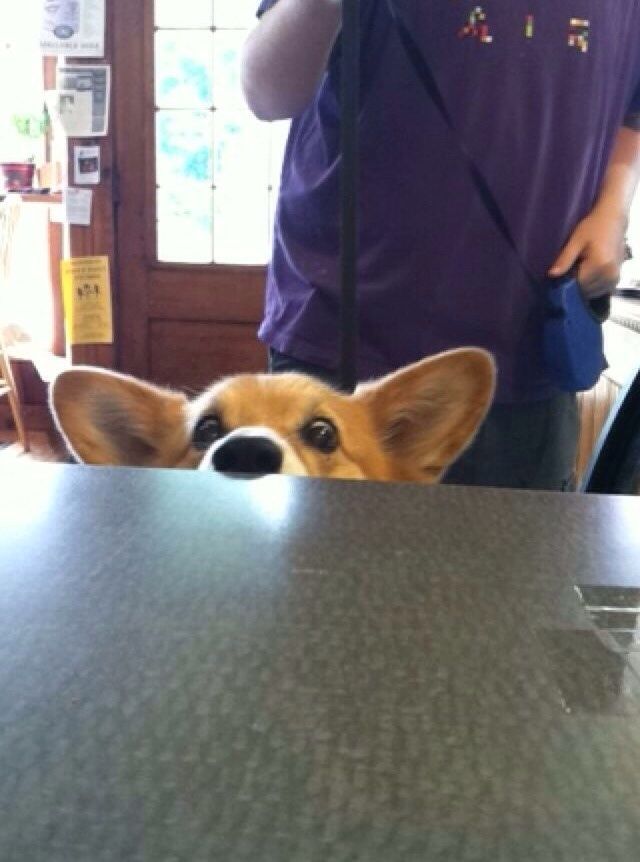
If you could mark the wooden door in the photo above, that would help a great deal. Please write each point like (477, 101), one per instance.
(186, 313)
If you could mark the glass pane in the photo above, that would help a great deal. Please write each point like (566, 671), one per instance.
(241, 226)
(183, 147)
(184, 68)
(227, 90)
(235, 13)
(241, 151)
(185, 225)
(197, 69)
(188, 13)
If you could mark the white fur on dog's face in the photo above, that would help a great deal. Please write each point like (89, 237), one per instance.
(408, 426)
(291, 464)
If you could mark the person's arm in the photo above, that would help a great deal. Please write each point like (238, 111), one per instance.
(597, 244)
(286, 55)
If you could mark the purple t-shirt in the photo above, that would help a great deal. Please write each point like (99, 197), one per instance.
(538, 90)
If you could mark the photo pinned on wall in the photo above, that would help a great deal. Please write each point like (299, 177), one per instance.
(86, 166)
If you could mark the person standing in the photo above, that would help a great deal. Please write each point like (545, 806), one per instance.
(547, 103)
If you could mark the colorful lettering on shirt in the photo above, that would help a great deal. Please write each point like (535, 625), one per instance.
(529, 26)
(579, 34)
(476, 27)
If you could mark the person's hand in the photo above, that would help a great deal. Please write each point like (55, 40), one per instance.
(597, 249)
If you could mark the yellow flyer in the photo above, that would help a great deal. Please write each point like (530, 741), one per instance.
(86, 294)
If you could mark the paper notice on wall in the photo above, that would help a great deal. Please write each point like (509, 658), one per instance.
(86, 166)
(80, 103)
(86, 293)
(72, 28)
(75, 207)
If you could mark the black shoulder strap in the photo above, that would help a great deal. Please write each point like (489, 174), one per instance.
(428, 80)
(350, 89)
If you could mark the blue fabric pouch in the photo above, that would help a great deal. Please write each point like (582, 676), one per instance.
(572, 336)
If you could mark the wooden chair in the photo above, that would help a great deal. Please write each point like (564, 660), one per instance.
(9, 216)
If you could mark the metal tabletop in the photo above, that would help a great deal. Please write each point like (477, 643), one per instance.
(196, 668)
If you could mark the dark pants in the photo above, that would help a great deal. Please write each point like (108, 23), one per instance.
(530, 445)
(280, 362)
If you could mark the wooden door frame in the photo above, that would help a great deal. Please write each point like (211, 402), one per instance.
(149, 290)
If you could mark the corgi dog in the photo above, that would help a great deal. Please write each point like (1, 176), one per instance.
(408, 426)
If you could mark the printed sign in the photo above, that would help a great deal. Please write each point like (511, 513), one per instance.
(72, 28)
(86, 293)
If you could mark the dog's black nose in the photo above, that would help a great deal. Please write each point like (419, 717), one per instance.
(248, 456)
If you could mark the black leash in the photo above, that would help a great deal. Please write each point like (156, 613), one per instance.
(350, 105)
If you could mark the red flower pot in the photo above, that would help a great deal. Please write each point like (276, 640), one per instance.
(15, 176)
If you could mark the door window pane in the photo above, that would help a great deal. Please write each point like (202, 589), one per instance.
(217, 168)
(185, 225)
(183, 147)
(241, 151)
(227, 48)
(241, 226)
(184, 13)
(238, 14)
(184, 68)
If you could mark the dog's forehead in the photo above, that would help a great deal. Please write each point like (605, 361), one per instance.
(260, 399)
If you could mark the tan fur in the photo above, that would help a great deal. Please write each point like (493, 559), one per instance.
(408, 426)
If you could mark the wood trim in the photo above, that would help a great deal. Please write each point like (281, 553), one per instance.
(223, 296)
(150, 134)
(194, 354)
(129, 69)
(55, 235)
(36, 198)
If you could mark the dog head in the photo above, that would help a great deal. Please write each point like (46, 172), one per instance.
(408, 426)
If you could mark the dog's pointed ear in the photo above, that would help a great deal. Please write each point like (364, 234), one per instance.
(428, 413)
(110, 418)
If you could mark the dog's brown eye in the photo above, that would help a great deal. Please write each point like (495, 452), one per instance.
(322, 435)
(207, 431)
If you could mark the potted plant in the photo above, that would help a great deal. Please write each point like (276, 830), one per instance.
(17, 173)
